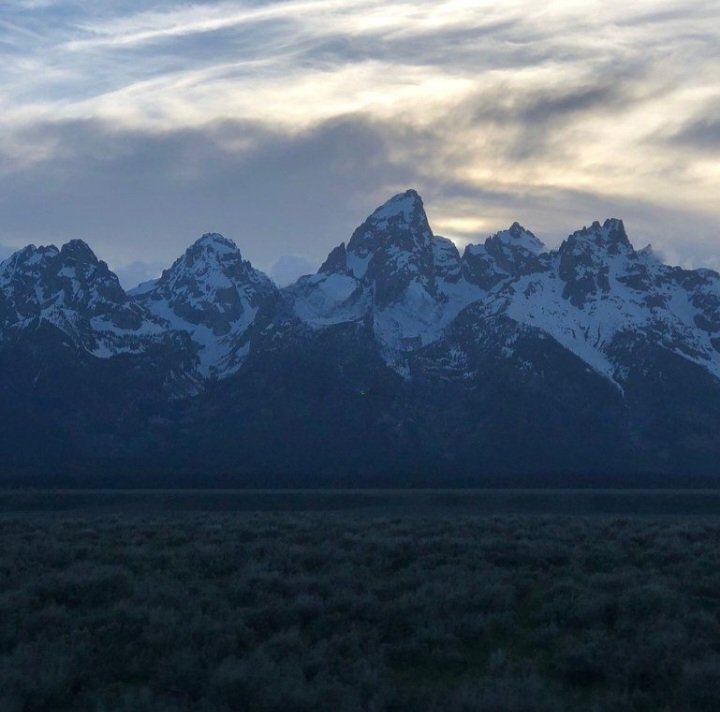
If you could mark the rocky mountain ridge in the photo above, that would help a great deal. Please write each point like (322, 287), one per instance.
(590, 330)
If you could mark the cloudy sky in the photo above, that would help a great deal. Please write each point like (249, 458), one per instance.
(139, 125)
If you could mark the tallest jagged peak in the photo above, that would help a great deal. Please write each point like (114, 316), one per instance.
(393, 247)
(407, 206)
(399, 223)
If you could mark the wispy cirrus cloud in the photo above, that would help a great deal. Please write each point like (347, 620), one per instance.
(133, 118)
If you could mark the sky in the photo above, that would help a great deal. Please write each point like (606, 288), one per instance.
(138, 126)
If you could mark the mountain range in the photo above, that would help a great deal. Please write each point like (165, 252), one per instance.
(401, 361)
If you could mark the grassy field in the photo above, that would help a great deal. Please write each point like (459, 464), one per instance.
(499, 601)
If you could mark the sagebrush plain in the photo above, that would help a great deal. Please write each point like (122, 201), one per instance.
(357, 608)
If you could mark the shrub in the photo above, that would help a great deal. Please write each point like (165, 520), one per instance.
(326, 612)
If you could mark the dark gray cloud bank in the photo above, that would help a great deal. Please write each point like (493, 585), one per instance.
(139, 126)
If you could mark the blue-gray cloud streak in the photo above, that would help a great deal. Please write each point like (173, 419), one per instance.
(138, 125)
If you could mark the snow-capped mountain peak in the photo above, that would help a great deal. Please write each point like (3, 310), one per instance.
(610, 237)
(589, 256)
(590, 295)
(446, 259)
(25, 261)
(37, 278)
(214, 295)
(508, 253)
(73, 291)
(210, 257)
(404, 207)
(210, 277)
(213, 244)
(394, 242)
(393, 271)
(78, 251)
(517, 237)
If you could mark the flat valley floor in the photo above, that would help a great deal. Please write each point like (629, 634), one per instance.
(359, 600)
